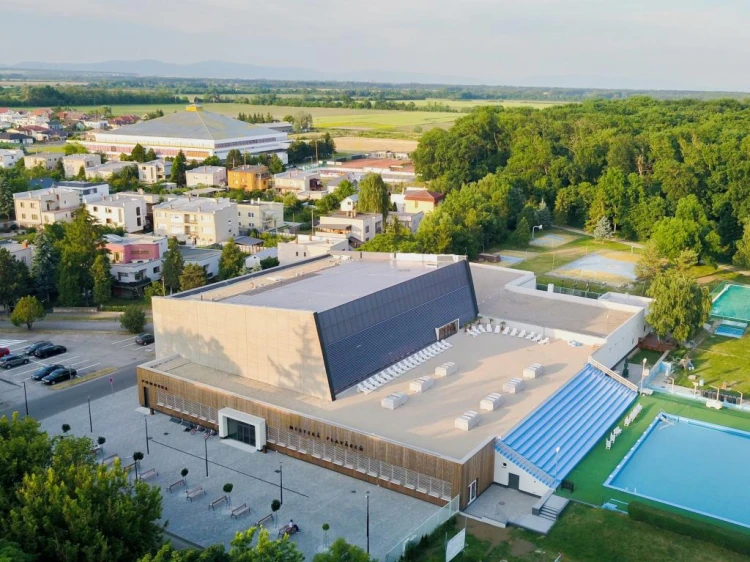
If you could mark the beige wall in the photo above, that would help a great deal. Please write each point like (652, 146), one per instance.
(274, 346)
(416, 206)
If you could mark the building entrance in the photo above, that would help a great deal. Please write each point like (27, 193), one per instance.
(244, 433)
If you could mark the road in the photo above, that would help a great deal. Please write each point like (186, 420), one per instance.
(61, 400)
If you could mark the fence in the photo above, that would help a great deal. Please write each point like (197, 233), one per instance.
(574, 292)
(427, 527)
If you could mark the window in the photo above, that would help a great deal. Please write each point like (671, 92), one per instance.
(138, 212)
(251, 215)
(138, 221)
(23, 215)
(157, 269)
(96, 209)
(34, 217)
(22, 204)
(367, 228)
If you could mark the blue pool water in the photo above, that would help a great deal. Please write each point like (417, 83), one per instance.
(689, 464)
(732, 302)
(730, 331)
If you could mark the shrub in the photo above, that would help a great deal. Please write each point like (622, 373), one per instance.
(133, 319)
(725, 538)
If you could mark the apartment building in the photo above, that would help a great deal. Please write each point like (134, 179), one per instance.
(259, 215)
(74, 162)
(45, 206)
(9, 157)
(46, 159)
(249, 178)
(196, 220)
(154, 171)
(206, 175)
(86, 190)
(120, 210)
(105, 171)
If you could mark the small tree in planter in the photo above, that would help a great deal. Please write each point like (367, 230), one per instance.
(228, 487)
(326, 527)
(137, 457)
(184, 472)
(275, 506)
(65, 428)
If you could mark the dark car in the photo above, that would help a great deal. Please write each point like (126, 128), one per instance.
(50, 350)
(39, 374)
(59, 375)
(4, 351)
(144, 339)
(34, 347)
(10, 361)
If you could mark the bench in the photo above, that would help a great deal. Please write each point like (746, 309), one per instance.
(213, 504)
(110, 459)
(128, 467)
(151, 473)
(264, 520)
(193, 493)
(237, 511)
(173, 485)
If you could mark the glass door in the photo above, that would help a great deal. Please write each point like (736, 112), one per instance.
(246, 433)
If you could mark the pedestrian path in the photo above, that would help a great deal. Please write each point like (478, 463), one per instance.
(11, 343)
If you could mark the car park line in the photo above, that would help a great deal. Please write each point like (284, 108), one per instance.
(11, 343)
(87, 367)
(126, 339)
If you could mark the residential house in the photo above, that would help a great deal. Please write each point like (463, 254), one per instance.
(248, 244)
(297, 181)
(410, 221)
(253, 261)
(15, 138)
(206, 258)
(419, 199)
(87, 190)
(105, 171)
(259, 215)
(48, 160)
(9, 157)
(74, 162)
(96, 124)
(357, 227)
(309, 246)
(154, 171)
(206, 175)
(121, 211)
(150, 199)
(249, 178)
(45, 206)
(196, 220)
(135, 261)
(22, 252)
(349, 203)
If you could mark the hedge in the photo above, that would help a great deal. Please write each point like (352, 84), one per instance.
(720, 536)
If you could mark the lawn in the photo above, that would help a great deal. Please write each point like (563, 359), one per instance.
(470, 104)
(651, 357)
(589, 476)
(582, 534)
(718, 360)
(44, 147)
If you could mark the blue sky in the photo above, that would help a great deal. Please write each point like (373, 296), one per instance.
(687, 44)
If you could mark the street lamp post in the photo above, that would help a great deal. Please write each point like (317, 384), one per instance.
(205, 443)
(533, 229)
(643, 373)
(145, 422)
(367, 496)
(280, 472)
(91, 422)
(25, 399)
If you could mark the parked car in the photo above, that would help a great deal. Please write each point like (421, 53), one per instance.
(59, 375)
(50, 350)
(10, 361)
(4, 351)
(34, 347)
(39, 374)
(144, 339)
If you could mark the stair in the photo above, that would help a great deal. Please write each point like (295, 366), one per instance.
(549, 513)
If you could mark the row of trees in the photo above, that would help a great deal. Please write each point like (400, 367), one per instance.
(67, 96)
(313, 149)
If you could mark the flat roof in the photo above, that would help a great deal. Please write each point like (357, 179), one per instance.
(426, 421)
(195, 205)
(198, 253)
(495, 300)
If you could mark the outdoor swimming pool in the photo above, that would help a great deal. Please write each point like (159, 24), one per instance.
(696, 466)
(733, 302)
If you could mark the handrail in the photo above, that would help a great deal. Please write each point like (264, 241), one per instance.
(610, 373)
(525, 464)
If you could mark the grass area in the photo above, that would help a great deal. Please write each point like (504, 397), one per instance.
(42, 147)
(470, 104)
(718, 360)
(590, 474)
(85, 378)
(582, 534)
(651, 357)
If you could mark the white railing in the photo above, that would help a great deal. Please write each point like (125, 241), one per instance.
(427, 527)
(610, 373)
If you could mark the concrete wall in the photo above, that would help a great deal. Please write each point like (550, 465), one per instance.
(622, 340)
(527, 483)
(274, 346)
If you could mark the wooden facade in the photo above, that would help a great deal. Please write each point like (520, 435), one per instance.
(300, 436)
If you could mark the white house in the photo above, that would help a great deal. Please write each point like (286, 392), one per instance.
(45, 206)
(196, 220)
(74, 162)
(86, 190)
(206, 175)
(9, 157)
(259, 215)
(105, 171)
(120, 211)
(154, 171)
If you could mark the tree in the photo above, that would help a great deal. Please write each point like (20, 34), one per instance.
(269, 262)
(173, 265)
(78, 250)
(192, 277)
(44, 264)
(133, 319)
(522, 234)
(6, 198)
(680, 306)
(302, 121)
(742, 255)
(74, 148)
(65, 428)
(232, 260)
(290, 200)
(234, 158)
(14, 278)
(150, 155)
(24, 447)
(342, 551)
(373, 195)
(650, 264)
(602, 230)
(155, 289)
(27, 311)
(543, 215)
(326, 527)
(688, 258)
(184, 472)
(178, 169)
(275, 165)
(102, 279)
(138, 153)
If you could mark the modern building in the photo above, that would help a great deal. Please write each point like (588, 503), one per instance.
(248, 244)
(196, 220)
(86, 190)
(259, 215)
(297, 181)
(206, 258)
(399, 370)
(306, 246)
(45, 206)
(206, 175)
(197, 133)
(410, 221)
(74, 162)
(358, 228)
(392, 170)
(154, 171)
(47, 160)
(105, 171)
(120, 210)
(249, 178)
(150, 199)
(9, 157)
(135, 261)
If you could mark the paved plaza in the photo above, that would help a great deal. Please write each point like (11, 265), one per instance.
(312, 495)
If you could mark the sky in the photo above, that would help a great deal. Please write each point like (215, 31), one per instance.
(663, 44)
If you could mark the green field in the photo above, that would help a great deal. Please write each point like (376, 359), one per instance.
(470, 104)
(719, 360)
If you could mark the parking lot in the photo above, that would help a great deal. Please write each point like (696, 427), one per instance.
(89, 353)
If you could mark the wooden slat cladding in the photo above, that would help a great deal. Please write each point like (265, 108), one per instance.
(459, 476)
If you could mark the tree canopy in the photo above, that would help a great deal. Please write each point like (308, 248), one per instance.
(680, 306)
(232, 260)
(374, 196)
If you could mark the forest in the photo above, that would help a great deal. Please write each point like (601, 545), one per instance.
(677, 172)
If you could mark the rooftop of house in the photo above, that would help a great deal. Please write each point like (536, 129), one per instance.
(78, 185)
(423, 195)
(195, 254)
(251, 169)
(202, 125)
(297, 174)
(206, 170)
(131, 239)
(41, 193)
(195, 205)
(248, 241)
(117, 200)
